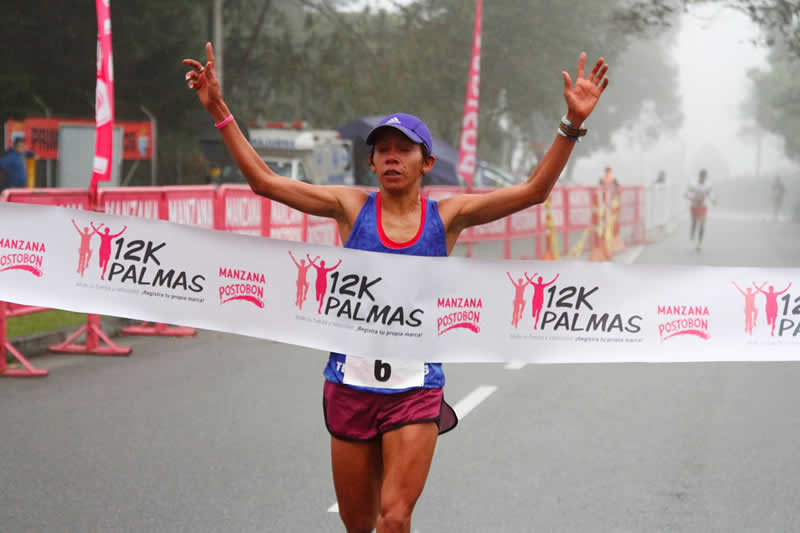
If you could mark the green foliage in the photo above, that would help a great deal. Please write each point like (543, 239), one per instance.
(310, 60)
(776, 98)
(775, 101)
(343, 66)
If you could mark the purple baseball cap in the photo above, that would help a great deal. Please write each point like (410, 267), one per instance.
(411, 126)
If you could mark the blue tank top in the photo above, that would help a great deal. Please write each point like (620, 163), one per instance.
(368, 235)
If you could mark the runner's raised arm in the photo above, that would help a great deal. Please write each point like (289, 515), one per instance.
(338, 202)
(462, 211)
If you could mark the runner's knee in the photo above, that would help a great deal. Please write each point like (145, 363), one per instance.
(395, 514)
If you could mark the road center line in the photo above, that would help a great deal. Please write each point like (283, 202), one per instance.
(471, 400)
(515, 365)
(462, 409)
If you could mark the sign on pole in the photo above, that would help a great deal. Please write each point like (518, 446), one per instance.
(104, 99)
(467, 146)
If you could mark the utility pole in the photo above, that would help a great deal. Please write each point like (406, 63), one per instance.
(219, 50)
(154, 140)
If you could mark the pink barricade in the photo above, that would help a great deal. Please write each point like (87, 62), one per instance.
(242, 211)
(192, 205)
(286, 223)
(143, 202)
(6, 348)
(74, 198)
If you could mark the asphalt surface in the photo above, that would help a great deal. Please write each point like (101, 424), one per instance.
(225, 433)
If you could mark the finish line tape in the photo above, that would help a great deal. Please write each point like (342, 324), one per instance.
(395, 307)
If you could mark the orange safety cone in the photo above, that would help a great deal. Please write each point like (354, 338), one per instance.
(548, 253)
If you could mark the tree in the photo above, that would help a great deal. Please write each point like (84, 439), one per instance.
(775, 100)
(50, 59)
(345, 65)
(778, 18)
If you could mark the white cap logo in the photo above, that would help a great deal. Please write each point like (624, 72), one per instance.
(393, 120)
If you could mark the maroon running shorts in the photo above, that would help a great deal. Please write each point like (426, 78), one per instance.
(353, 414)
(699, 211)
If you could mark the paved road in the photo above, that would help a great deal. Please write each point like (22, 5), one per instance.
(225, 433)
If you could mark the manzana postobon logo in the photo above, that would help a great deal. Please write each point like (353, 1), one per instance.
(781, 309)
(132, 261)
(342, 294)
(241, 285)
(22, 254)
(679, 319)
(555, 307)
(458, 313)
(85, 248)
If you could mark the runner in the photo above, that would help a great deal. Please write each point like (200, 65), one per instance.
(519, 298)
(104, 254)
(538, 296)
(750, 309)
(771, 308)
(698, 194)
(383, 435)
(302, 282)
(322, 279)
(84, 251)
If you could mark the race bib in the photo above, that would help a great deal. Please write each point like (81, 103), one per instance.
(382, 374)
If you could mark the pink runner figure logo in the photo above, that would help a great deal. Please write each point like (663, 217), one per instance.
(105, 246)
(750, 309)
(322, 279)
(519, 298)
(771, 309)
(538, 297)
(84, 252)
(302, 282)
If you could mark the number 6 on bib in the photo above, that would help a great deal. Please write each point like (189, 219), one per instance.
(382, 374)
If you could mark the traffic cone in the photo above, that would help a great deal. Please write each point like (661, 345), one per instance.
(548, 253)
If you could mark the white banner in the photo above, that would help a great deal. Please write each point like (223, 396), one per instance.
(395, 307)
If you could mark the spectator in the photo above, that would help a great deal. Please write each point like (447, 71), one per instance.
(662, 177)
(608, 178)
(12, 166)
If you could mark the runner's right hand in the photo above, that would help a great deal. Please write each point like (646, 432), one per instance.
(203, 80)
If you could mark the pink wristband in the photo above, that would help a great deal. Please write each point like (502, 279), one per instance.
(224, 122)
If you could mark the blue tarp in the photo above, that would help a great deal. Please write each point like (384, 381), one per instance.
(443, 173)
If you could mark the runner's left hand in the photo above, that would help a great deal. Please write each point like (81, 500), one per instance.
(583, 96)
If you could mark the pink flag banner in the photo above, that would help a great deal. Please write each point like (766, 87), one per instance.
(104, 97)
(467, 147)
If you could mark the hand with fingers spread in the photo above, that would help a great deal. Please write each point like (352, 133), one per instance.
(203, 80)
(583, 96)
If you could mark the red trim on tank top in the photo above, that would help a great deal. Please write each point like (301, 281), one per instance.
(385, 240)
